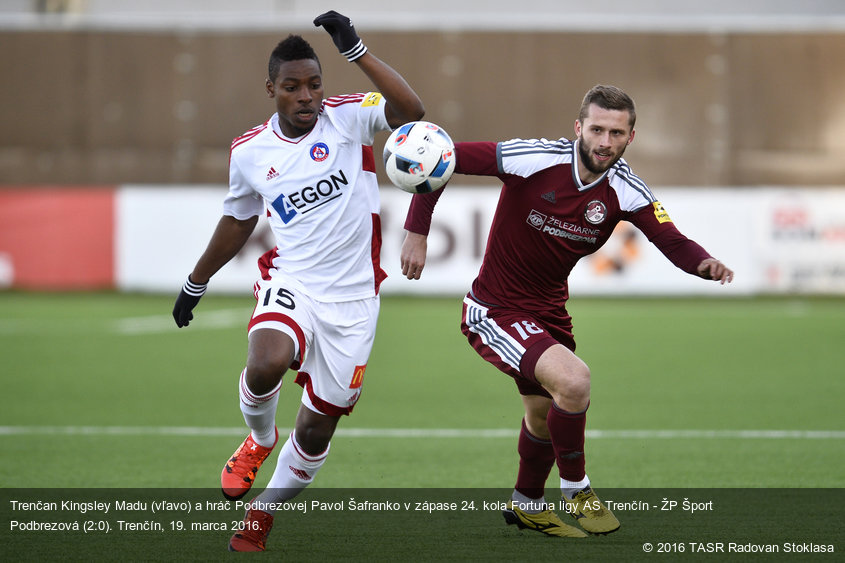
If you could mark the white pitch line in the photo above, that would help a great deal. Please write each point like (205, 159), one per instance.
(130, 326)
(425, 432)
(152, 324)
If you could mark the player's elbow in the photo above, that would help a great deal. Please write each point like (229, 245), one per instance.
(409, 110)
(414, 109)
(417, 112)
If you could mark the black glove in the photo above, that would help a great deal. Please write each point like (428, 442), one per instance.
(187, 300)
(343, 34)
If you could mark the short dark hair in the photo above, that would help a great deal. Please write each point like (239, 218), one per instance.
(292, 48)
(608, 97)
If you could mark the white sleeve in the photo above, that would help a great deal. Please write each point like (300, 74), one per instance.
(361, 120)
(632, 192)
(242, 202)
(524, 157)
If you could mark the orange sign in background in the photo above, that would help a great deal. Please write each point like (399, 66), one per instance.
(57, 238)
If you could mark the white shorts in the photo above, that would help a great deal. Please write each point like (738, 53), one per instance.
(332, 342)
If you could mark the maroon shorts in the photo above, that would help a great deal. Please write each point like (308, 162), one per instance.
(513, 340)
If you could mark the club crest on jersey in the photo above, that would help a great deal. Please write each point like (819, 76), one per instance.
(319, 152)
(596, 212)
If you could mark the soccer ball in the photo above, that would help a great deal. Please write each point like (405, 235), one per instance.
(419, 157)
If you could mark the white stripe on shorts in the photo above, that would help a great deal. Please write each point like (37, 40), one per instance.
(492, 335)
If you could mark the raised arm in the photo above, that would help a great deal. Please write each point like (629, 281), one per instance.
(403, 104)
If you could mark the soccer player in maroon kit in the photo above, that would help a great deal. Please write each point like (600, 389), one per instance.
(560, 201)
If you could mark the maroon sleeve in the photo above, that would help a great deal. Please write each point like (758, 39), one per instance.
(471, 158)
(418, 219)
(477, 159)
(684, 253)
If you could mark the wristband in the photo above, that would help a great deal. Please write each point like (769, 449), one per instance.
(194, 289)
(355, 52)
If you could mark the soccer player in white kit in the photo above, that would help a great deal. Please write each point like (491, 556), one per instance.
(310, 168)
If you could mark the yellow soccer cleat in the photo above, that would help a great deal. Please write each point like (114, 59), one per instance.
(590, 513)
(546, 522)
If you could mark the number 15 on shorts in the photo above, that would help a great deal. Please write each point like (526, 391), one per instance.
(277, 297)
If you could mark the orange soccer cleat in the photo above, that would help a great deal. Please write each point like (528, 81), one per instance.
(239, 472)
(253, 534)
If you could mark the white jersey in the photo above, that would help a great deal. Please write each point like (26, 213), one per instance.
(320, 194)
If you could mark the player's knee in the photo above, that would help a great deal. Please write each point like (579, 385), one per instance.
(571, 391)
(314, 439)
(314, 443)
(314, 431)
(580, 390)
(264, 371)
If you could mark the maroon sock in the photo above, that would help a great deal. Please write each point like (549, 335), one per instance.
(567, 432)
(536, 457)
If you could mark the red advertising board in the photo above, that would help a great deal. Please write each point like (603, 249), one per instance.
(57, 237)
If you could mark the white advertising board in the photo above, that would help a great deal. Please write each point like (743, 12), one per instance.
(777, 240)
(161, 232)
(800, 241)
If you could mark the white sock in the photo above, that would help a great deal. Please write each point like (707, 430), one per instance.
(571, 488)
(259, 412)
(529, 505)
(295, 470)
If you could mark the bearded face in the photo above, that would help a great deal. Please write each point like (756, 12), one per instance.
(602, 139)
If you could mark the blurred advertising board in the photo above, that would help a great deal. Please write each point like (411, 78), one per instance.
(147, 238)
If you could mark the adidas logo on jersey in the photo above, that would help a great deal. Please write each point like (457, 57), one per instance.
(271, 174)
(549, 196)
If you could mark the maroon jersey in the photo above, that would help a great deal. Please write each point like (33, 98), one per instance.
(546, 219)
